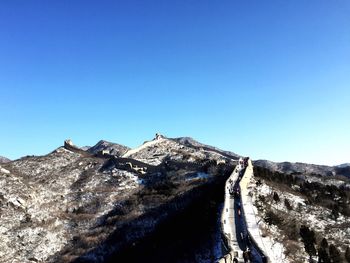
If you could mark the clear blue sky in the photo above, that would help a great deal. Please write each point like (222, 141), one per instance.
(268, 79)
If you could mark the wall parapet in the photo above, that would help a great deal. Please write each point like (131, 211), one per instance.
(253, 229)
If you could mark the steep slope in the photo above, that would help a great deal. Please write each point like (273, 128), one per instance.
(71, 205)
(302, 211)
(4, 159)
(47, 201)
(111, 148)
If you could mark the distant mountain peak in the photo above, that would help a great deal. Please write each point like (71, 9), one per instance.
(304, 168)
(4, 159)
(343, 165)
(110, 147)
(189, 141)
(159, 136)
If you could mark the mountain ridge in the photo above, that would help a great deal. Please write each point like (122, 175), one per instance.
(94, 204)
(4, 159)
(299, 167)
(110, 147)
(68, 202)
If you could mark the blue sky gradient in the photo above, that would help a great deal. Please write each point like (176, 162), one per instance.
(266, 79)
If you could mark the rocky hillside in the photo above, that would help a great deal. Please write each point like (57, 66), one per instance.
(4, 159)
(75, 205)
(110, 203)
(156, 151)
(304, 208)
(188, 141)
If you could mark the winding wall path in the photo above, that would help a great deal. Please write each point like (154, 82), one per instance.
(239, 227)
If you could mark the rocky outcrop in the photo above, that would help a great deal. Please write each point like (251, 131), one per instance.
(4, 171)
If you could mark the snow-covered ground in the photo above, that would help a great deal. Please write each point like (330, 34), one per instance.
(70, 201)
(143, 146)
(40, 197)
(155, 151)
(316, 217)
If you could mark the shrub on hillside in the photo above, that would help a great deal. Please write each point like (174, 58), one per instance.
(272, 218)
(309, 239)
